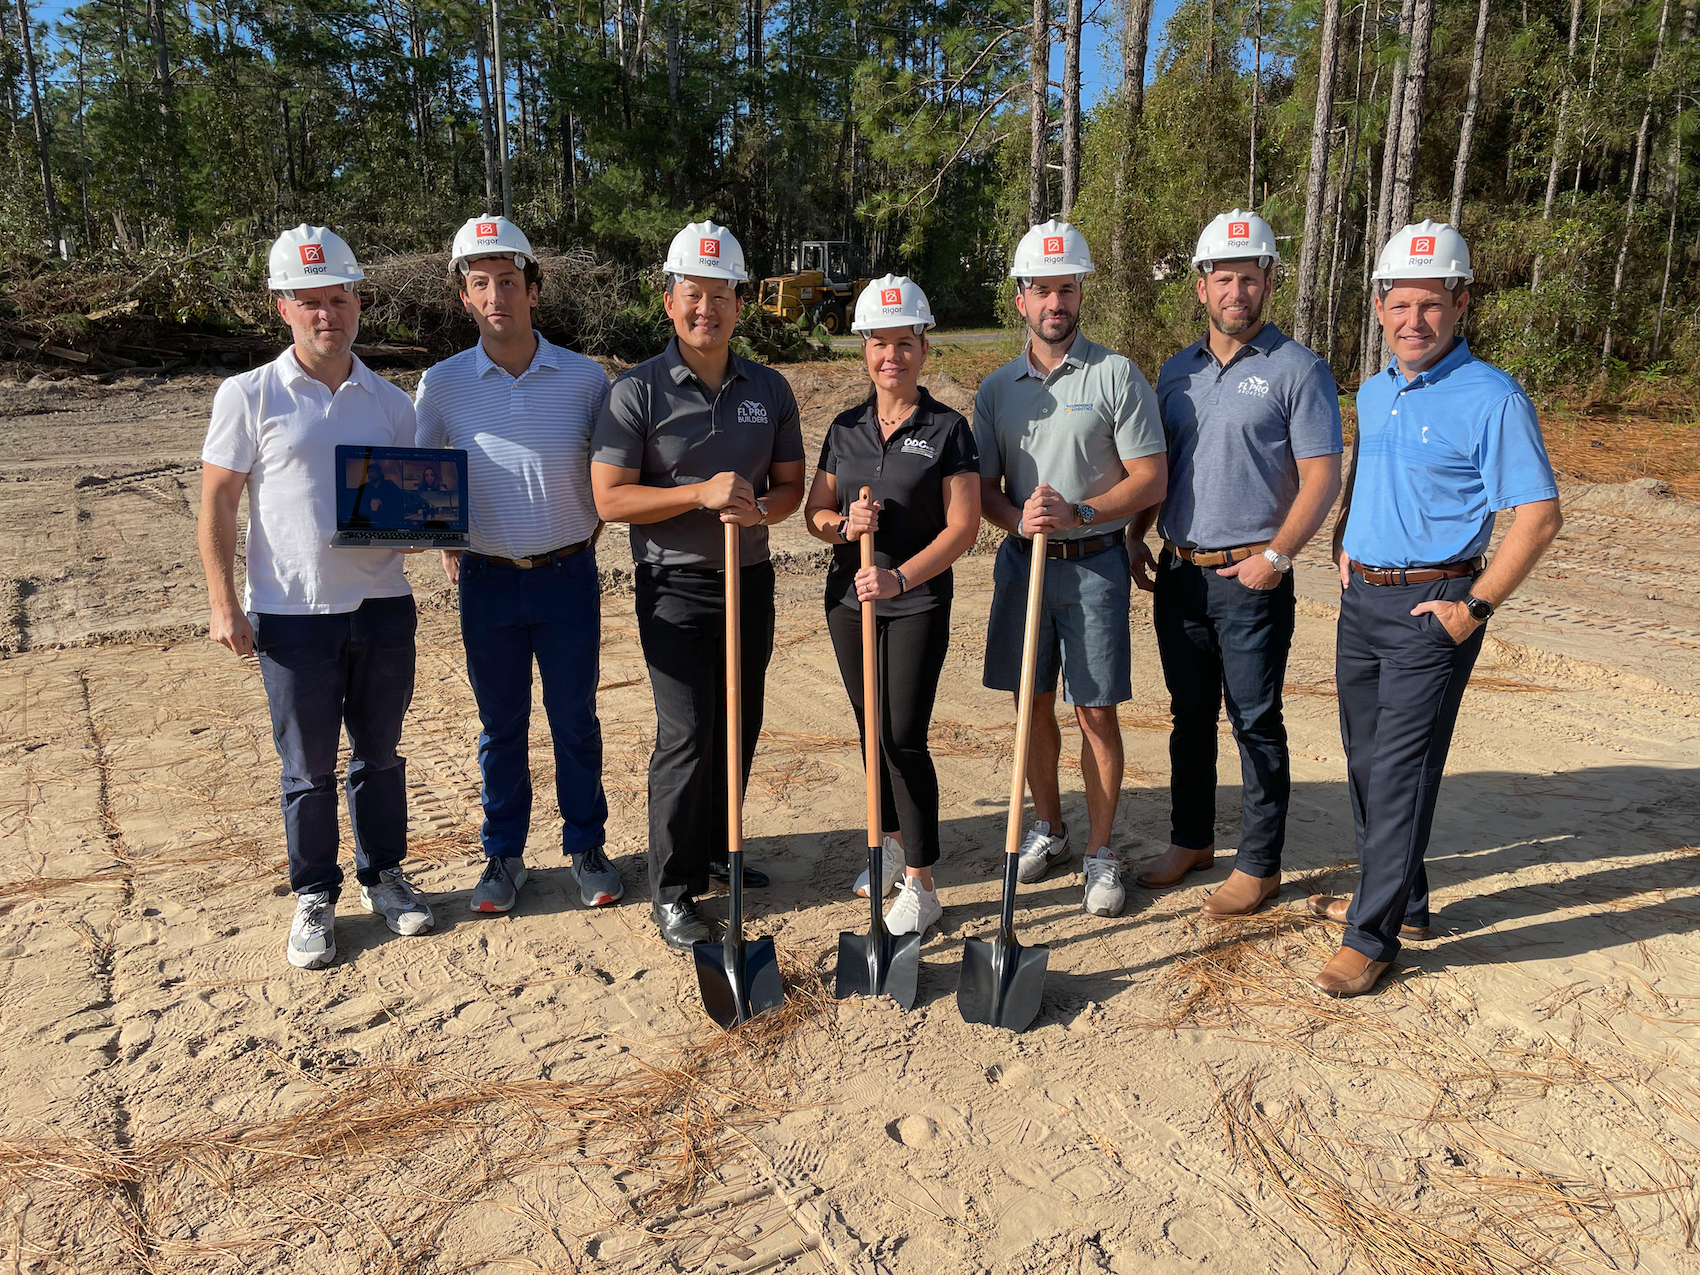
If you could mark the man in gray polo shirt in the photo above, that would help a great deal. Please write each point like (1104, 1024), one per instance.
(690, 440)
(1070, 445)
(1253, 425)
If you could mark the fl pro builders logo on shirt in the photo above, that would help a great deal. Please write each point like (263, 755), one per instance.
(750, 412)
(1255, 386)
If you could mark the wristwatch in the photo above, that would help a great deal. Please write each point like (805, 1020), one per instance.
(1280, 561)
(761, 508)
(1481, 612)
(902, 584)
(1086, 513)
(842, 524)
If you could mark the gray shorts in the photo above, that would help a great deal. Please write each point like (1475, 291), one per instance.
(1083, 625)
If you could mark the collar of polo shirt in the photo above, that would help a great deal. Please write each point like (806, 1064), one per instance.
(1267, 338)
(547, 356)
(1454, 359)
(1074, 358)
(293, 373)
(681, 372)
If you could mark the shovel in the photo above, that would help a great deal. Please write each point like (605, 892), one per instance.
(878, 961)
(738, 980)
(1003, 982)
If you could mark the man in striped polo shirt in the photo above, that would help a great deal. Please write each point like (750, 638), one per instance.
(523, 410)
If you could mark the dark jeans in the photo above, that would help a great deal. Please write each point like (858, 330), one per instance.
(324, 673)
(681, 614)
(911, 651)
(1222, 641)
(1401, 679)
(508, 618)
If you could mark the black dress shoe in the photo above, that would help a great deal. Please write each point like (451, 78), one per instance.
(681, 924)
(721, 870)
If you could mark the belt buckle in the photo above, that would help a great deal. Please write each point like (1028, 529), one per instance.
(524, 564)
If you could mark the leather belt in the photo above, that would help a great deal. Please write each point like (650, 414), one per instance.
(1215, 557)
(1471, 567)
(536, 559)
(1077, 548)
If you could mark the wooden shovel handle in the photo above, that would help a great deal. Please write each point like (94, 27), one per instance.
(734, 702)
(871, 698)
(1024, 705)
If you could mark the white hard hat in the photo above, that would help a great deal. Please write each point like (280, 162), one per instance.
(1236, 236)
(311, 257)
(1427, 250)
(490, 236)
(892, 301)
(1052, 248)
(707, 251)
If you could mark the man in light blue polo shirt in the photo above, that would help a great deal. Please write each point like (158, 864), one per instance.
(523, 410)
(1445, 442)
(1253, 423)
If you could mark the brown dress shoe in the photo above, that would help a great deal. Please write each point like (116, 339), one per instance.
(1241, 894)
(1332, 907)
(1173, 864)
(1349, 973)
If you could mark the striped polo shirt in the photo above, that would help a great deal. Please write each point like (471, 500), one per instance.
(527, 440)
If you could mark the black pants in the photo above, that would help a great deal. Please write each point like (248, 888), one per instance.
(681, 614)
(911, 651)
(1222, 641)
(1401, 679)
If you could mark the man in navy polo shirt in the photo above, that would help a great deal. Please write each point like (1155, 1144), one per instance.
(1445, 442)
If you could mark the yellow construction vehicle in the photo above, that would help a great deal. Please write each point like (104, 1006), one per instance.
(821, 285)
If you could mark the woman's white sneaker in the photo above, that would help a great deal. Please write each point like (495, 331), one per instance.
(915, 911)
(891, 870)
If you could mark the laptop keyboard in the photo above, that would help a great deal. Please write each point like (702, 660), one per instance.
(397, 535)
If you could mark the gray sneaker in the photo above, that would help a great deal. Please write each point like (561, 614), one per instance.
(403, 908)
(498, 888)
(312, 935)
(598, 883)
(1104, 893)
(1040, 850)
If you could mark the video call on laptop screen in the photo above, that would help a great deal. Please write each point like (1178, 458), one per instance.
(400, 489)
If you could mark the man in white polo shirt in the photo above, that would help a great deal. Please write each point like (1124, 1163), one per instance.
(523, 411)
(333, 628)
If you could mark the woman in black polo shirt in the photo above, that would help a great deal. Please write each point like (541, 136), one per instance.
(918, 456)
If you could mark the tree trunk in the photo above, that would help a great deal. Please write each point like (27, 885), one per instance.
(1557, 156)
(1256, 98)
(484, 123)
(1461, 167)
(1316, 184)
(1071, 107)
(1136, 38)
(1411, 124)
(1634, 185)
(48, 198)
(1672, 179)
(1040, 70)
(1337, 254)
(499, 78)
(1371, 351)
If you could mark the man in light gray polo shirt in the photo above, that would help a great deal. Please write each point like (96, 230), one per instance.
(1070, 445)
(1253, 425)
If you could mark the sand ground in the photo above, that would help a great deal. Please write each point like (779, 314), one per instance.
(541, 1091)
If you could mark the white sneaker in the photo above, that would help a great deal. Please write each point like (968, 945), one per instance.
(915, 911)
(312, 935)
(1040, 850)
(891, 870)
(403, 908)
(1104, 893)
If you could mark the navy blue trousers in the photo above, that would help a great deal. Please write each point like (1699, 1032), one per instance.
(1220, 641)
(324, 673)
(509, 618)
(1401, 678)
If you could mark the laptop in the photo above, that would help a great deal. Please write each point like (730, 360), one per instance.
(400, 498)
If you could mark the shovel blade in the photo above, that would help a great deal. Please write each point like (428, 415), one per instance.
(879, 964)
(738, 980)
(1002, 982)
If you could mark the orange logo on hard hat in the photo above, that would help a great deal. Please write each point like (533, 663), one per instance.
(1239, 230)
(1422, 245)
(891, 296)
(1054, 246)
(710, 248)
(312, 254)
(488, 230)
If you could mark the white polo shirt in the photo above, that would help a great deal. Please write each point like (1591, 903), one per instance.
(281, 427)
(527, 440)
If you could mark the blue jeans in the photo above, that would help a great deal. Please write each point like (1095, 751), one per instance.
(508, 618)
(323, 673)
(1220, 640)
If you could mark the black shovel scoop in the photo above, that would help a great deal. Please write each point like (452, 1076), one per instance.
(878, 961)
(738, 980)
(1003, 982)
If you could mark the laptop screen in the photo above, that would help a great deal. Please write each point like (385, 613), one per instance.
(400, 489)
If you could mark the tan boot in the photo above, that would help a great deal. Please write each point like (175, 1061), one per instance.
(1333, 907)
(1349, 973)
(1241, 894)
(1173, 864)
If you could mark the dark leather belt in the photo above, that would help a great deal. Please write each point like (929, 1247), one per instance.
(1471, 567)
(1215, 557)
(536, 559)
(1077, 548)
